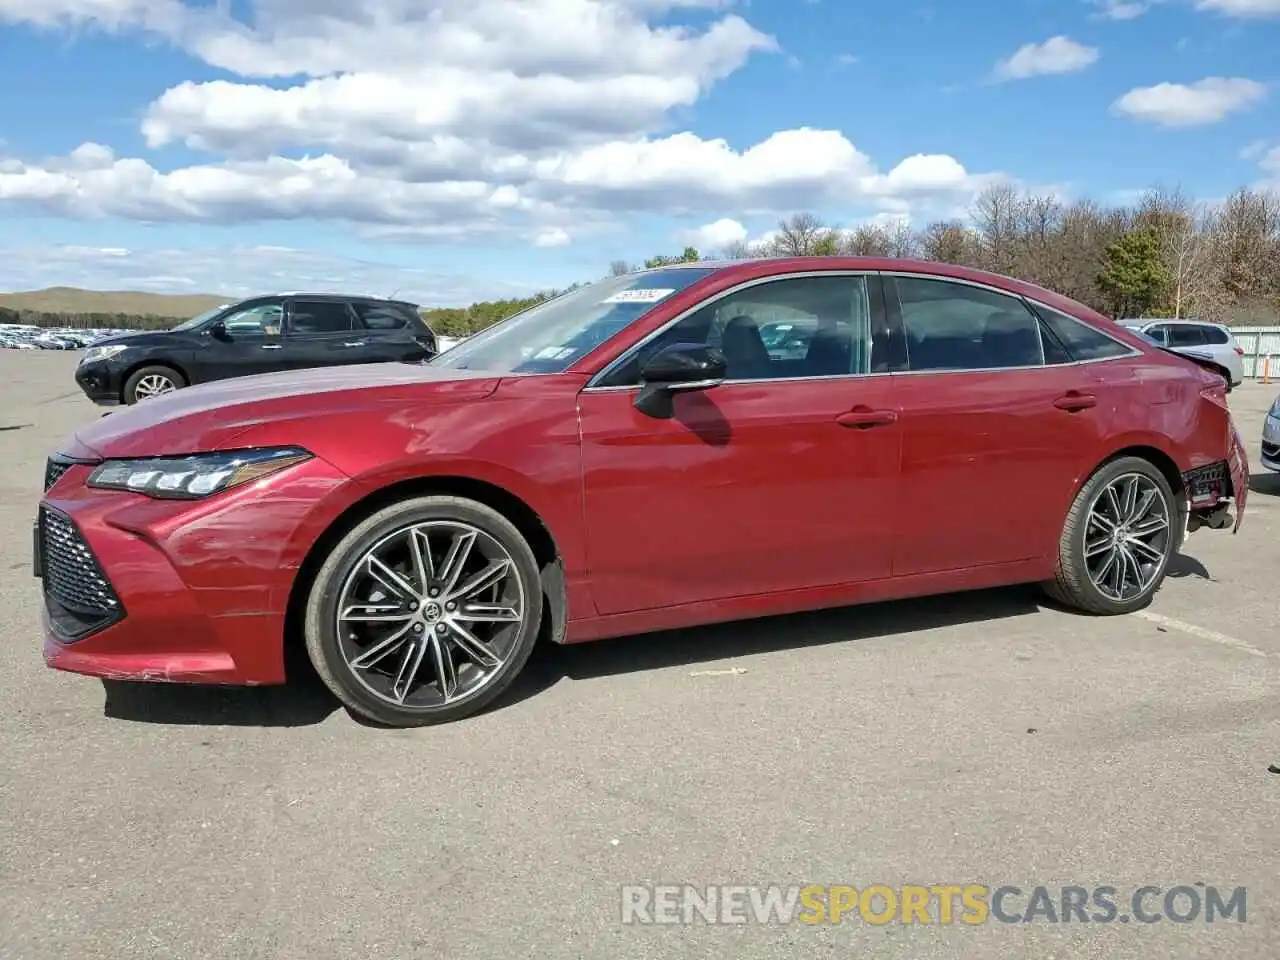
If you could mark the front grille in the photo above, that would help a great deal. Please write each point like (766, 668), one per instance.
(78, 595)
(1270, 450)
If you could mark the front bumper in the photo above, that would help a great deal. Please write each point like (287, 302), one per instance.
(183, 591)
(1271, 443)
(102, 381)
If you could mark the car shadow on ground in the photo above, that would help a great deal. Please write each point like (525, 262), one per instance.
(1266, 483)
(305, 700)
(301, 702)
(702, 645)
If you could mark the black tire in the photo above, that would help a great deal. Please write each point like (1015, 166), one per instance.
(151, 372)
(1072, 584)
(325, 646)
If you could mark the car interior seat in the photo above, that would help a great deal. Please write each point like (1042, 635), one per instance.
(830, 351)
(1010, 339)
(744, 349)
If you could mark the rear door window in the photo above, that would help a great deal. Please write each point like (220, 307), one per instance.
(956, 326)
(1186, 336)
(317, 317)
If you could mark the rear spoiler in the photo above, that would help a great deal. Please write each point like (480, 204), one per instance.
(1203, 362)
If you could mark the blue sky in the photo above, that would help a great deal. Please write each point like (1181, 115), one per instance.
(453, 150)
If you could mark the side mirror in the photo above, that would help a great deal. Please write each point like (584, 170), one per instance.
(218, 330)
(676, 368)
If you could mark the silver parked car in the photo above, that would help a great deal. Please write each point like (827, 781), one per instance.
(1271, 438)
(1199, 337)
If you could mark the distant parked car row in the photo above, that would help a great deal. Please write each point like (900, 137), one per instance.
(22, 336)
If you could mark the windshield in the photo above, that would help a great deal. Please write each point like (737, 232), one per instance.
(549, 337)
(199, 319)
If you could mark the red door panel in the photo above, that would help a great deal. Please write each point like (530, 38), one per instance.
(750, 488)
(990, 460)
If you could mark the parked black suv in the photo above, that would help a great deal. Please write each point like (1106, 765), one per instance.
(258, 335)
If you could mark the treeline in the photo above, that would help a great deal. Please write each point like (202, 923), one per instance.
(1164, 255)
(86, 321)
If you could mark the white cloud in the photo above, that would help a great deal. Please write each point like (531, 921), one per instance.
(716, 236)
(1056, 55)
(235, 272)
(1254, 150)
(1269, 162)
(552, 237)
(677, 175)
(1122, 9)
(539, 120)
(1244, 9)
(1187, 105)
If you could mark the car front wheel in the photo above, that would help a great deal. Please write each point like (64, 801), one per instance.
(1118, 538)
(425, 612)
(151, 382)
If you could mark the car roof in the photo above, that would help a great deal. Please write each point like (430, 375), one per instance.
(1181, 322)
(781, 266)
(342, 297)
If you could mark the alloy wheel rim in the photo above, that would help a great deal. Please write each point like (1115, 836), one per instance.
(152, 385)
(429, 615)
(1126, 539)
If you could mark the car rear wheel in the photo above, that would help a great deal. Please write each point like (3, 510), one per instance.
(153, 381)
(1117, 539)
(425, 612)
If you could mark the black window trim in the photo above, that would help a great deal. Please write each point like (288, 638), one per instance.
(880, 326)
(1030, 304)
(286, 326)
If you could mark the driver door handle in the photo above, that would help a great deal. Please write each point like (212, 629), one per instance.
(354, 343)
(864, 418)
(272, 346)
(1074, 400)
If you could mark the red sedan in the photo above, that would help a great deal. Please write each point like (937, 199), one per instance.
(678, 446)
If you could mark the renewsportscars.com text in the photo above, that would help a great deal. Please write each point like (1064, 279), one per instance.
(966, 904)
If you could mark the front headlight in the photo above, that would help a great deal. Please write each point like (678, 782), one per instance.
(102, 353)
(195, 476)
(1275, 409)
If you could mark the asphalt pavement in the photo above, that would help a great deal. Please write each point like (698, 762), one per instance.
(976, 739)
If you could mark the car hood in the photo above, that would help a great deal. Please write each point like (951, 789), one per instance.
(210, 416)
(135, 338)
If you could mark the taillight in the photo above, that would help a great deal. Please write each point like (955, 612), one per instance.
(1239, 351)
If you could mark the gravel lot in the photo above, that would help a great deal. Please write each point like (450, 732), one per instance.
(977, 738)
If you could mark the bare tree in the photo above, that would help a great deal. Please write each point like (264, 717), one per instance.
(803, 235)
(618, 268)
(948, 241)
(996, 213)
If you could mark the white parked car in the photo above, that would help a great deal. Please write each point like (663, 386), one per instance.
(1198, 337)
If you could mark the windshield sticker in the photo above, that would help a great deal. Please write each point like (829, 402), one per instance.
(652, 295)
(553, 353)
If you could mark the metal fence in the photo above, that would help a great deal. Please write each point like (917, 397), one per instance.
(1261, 346)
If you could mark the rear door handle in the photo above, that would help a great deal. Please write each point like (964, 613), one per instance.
(354, 343)
(864, 418)
(271, 346)
(1073, 401)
